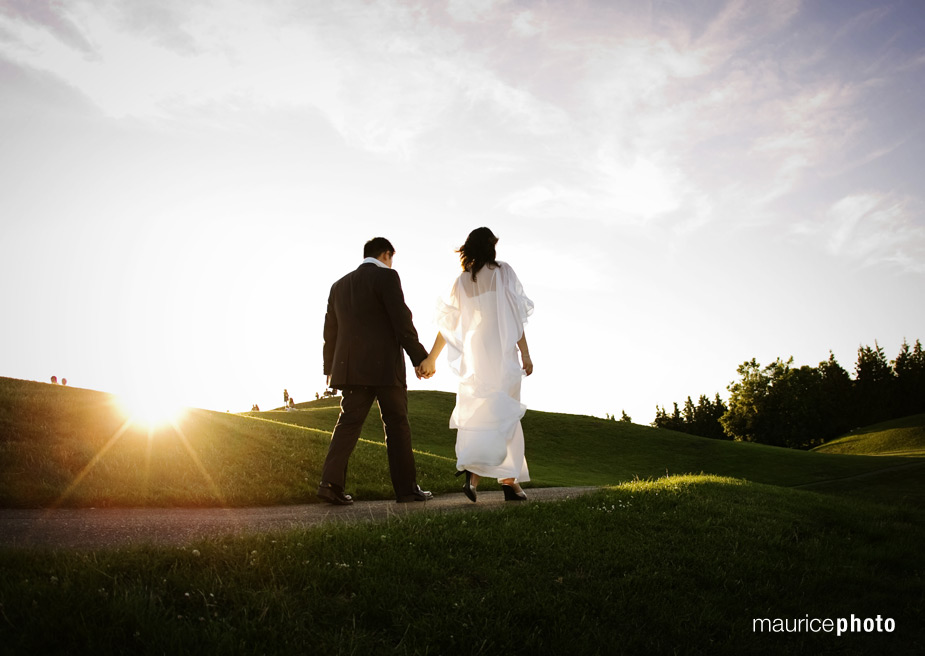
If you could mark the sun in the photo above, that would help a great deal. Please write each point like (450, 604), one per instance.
(151, 408)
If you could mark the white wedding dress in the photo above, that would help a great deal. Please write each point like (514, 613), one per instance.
(481, 322)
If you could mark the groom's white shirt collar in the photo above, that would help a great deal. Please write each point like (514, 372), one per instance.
(372, 260)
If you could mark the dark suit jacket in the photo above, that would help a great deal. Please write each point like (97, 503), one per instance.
(365, 329)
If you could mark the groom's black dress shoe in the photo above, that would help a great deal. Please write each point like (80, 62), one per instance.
(417, 495)
(328, 492)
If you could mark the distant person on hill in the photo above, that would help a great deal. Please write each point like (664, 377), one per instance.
(64, 381)
(285, 397)
(54, 380)
(291, 404)
(481, 322)
(366, 328)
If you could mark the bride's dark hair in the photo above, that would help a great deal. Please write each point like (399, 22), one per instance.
(478, 251)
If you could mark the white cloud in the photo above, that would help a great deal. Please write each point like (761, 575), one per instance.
(873, 229)
(46, 15)
(633, 124)
(381, 76)
(525, 24)
(741, 23)
(614, 190)
(470, 11)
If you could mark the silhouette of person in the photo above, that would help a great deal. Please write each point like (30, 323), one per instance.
(367, 331)
(54, 380)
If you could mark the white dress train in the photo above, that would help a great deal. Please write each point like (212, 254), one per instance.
(482, 322)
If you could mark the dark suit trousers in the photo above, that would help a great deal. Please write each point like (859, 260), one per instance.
(354, 407)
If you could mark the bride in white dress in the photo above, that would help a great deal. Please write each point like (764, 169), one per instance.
(481, 322)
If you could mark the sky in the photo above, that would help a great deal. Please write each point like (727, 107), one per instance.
(680, 186)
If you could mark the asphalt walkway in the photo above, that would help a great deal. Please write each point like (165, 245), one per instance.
(94, 528)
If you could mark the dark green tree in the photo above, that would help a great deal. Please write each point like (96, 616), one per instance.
(796, 412)
(909, 372)
(837, 398)
(873, 386)
(687, 415)
(777, 405)
(676, 422)
(744, 420)
(706, 418)
(661, 418)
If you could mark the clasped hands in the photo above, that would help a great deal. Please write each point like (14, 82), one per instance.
(426, 369)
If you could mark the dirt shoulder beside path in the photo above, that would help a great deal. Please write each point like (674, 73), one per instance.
(96, 528)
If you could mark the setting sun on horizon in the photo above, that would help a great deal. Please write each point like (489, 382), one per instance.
(151, 408)
(681, 187)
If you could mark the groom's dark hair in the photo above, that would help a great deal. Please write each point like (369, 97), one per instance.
(377, 246)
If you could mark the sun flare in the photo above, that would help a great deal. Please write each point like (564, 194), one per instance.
(151, 408)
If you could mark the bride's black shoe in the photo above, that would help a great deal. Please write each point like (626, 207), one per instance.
(511, 494)
(468, 488)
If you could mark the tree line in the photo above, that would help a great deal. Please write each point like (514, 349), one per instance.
(801, 407)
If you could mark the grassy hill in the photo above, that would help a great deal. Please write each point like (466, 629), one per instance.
(565, 449)
(681, 564)
(74, 447)
(899, 437)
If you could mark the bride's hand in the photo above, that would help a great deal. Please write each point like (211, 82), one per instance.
(427, 368)
(528, 363)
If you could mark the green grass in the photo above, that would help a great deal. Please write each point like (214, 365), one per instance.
(565, 449)
(677, 565)
(57, 448)
(899, 437)
(67, 447)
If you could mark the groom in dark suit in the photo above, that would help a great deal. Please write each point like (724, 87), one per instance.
(366, 329)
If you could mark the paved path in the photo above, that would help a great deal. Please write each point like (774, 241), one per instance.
(91, 528)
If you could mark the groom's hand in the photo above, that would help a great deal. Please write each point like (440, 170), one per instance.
(426, 369)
